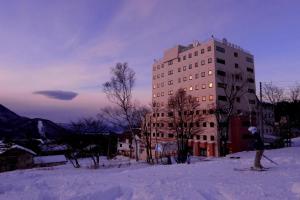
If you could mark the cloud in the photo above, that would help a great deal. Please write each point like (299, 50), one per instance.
(57, 94)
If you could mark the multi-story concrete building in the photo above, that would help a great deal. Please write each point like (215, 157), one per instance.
(200, 69)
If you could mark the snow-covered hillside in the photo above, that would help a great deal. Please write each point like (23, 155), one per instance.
(214, 179)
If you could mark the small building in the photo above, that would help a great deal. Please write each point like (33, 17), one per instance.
(49, 161)
(14, 157)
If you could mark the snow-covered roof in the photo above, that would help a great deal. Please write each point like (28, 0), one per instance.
(4, 148)
(49, 159)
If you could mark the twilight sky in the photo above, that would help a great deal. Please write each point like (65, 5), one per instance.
(55, 55)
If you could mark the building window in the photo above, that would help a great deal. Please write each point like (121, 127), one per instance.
(170, 72)
(170, 124)
(202, 62)
(184, 58)
(154, 95)
(198, 137)
(210, 98)
(184, 68)
(179, 69)
(170, 62)
(212, 138)
(158, 76)
(209, 60)
(191, 77)
(154, 68)
(170, 82)
(251, 91)
(249, 69)
(162, 75)
(162, 84)
(210, 85)
(236, 65)
(184, 78)
(190, 55)
(162, 94)
(221, 61)
(170, 92)
(191, 88)
(221, 73)
(154, 86)
(235, 54)
(203, 86)
(202, 51)
(196, 87)
(202, 74)
(250, 60)
(196, 76)
(222, 85)
(190, 66)
(250, 80)
(204, 112)
(178, 59)
(209, 48)
(184, 89)
(211, 124)
(204, 125)
(203, 98)
(170, 135)
(196, 53)
(179, 80)
(220, 49)
(196, 64)
(209, 72)
(158, 94)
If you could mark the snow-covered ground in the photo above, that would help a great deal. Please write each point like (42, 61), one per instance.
(214, 179)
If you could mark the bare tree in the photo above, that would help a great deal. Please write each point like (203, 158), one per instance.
(233, 86)
(294, 93)
(119, 91)
(272, 93)
(183, 120)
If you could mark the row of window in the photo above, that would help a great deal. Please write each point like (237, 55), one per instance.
(185, 124)
(235, 54)
(170, 135)
(197, 112)
(179, 70)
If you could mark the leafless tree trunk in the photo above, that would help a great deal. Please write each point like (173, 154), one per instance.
(274, 94)
(294, 93)
(183, 120)
(119, 91)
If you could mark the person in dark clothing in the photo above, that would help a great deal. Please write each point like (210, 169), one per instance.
(258, 146)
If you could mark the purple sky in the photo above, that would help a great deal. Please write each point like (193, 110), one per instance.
(57, 46)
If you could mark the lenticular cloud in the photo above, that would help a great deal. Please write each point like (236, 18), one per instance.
(57, 94)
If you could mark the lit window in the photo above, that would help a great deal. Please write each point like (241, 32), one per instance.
(203, 86)
(209, 72)
(158, 94)
(191, 77)
(211, 97)
(154, 95)
(210, 85)
(184, 79)
(203, 98)
(184, 68)
(191, 88)
(202, 62)
(162, 94)
(154, 86)
(198, 99)
(184, 89)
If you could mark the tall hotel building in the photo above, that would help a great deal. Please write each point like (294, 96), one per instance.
(198, 69)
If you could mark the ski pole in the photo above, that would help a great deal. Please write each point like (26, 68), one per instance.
(270, 160)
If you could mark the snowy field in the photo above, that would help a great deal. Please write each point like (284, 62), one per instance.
(212, 180)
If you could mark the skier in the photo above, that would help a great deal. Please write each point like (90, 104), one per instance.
(259, 147)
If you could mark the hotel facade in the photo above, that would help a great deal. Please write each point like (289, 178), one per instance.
(198, 68)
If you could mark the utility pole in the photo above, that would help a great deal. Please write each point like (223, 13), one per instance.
(261, 111)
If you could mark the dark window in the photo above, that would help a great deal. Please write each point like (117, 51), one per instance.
(170, 135)
(249, 69)
(209, 48)
(120, 145)
(196, 64)
(211, 124)
(190, 55)
(250, 80)
(170, 62)
(198, 137)
(170, 114)
(196, 53)
(204, 112)
(184, 58)
(202, 74)
(212, 138)
(235, 54)
(211, 111)
(236, 65)
(162, 114)
(204, 124)
(251, 91)
(220, 49)
(221, 73)
(222, 98)
(178, 59)
(204, 137)
(209, 60)
(202, 51)
(221, 61)
(190, 66)
(197, 112)
(250, 60)
(170, 124)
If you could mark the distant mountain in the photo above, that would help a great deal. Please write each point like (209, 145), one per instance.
(17, 127)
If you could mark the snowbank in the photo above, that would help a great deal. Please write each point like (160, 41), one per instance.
(213, 179)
